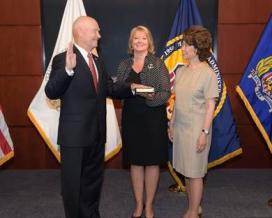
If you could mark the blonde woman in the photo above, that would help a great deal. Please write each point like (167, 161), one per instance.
(144, 121)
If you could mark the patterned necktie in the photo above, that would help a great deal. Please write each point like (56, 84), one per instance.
(93, 71)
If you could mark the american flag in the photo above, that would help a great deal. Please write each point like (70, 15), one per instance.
(6, 144)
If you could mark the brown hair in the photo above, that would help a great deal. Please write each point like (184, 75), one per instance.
(201, 39)
(151, 48)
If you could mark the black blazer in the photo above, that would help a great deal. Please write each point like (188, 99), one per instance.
(83, 111)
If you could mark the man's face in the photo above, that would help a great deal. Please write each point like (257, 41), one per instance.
(90, 34)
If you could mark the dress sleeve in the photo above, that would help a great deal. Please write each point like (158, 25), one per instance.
(211, 85)
(162, 86)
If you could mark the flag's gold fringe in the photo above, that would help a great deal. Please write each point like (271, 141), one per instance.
(176, 177)
(225, 158)
(113, 152)
(177, 38)
(44, 136)
(6, 157)
(222, 100)
(52, 148)
(255, 118)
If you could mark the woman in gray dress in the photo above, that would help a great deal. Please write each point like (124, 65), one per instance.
(195, 91)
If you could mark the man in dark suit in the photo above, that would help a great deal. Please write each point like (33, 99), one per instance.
(79, 81)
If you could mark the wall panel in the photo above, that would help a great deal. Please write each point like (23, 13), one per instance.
(19, 12)
(19, 92)
(20, 50)
(236, 44)
(20, 78)
(239, 29)
(29, 149)
(241, 115)
(255, 152)
(244, 11)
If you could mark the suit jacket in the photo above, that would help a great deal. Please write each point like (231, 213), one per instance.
(154, 74)
(83, 111)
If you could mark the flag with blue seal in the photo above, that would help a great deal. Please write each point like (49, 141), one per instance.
(255, 87)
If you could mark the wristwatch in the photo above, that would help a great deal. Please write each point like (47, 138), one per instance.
(206, 131)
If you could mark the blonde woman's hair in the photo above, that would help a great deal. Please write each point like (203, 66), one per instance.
(144, 29)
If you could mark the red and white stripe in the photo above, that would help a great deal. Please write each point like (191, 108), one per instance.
(6, 144)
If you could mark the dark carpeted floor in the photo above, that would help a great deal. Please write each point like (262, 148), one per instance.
(229, 193)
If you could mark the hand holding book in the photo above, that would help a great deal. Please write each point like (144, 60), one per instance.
(143, 90)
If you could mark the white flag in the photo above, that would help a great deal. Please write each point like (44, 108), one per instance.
(6, 145)
(44, 115)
